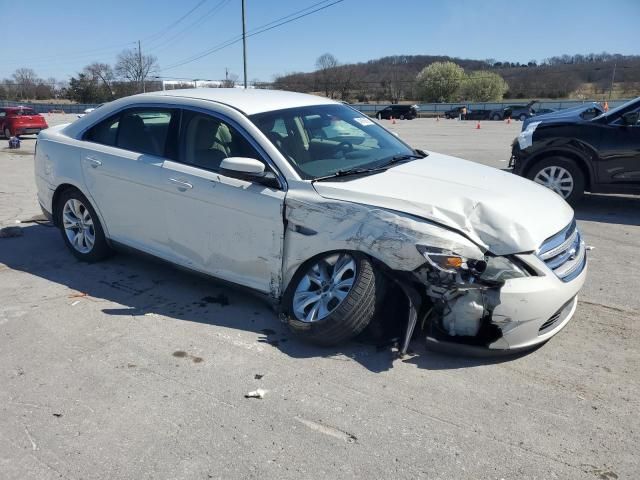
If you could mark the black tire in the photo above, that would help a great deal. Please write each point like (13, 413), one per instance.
(570, 166)
(100, 249)
(496, 117)
(350, 317)
(7, 133)
(401, 117)
(523, 117)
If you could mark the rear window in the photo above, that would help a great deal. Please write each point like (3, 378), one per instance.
(26, 111)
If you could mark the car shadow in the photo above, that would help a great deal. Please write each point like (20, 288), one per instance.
(615, 209)
(138, 285)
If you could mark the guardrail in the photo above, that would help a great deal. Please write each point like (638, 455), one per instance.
(369, 108)
(435, 108)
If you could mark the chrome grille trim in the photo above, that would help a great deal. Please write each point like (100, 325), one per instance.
(564, 253)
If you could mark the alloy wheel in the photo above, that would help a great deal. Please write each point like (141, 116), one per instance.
(557, 179)
(78, 225)
(323, 287)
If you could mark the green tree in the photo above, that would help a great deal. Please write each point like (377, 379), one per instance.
(484, 86)
(439, 82)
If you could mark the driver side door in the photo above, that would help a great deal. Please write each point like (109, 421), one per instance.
(231, 228)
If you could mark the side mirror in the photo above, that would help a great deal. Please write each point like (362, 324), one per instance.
(242, 166)
(631, 118)
(248, 169)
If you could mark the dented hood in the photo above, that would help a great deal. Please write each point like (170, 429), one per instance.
(501, 212)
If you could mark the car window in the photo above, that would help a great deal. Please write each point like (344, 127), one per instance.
(208, 140)
(144, 130)
(331, 138)
(26, 111)
(104, 132)
(3, 113)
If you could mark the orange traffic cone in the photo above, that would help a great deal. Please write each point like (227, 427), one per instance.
(508, 120)
(478, 126)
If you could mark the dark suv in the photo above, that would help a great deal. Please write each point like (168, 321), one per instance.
(599, 155)
(401, 112)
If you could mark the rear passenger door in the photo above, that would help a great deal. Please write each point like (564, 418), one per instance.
(228, 227)
(122, 160)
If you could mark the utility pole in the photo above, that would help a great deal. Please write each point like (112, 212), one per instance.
(613, 77)
(244, 45)
(141, 69)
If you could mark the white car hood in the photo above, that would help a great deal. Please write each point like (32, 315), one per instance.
(499, 211)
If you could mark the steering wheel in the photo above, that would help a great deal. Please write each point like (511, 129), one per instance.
(344, 148)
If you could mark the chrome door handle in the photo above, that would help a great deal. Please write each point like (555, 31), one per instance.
(93, 161)
(182, 185)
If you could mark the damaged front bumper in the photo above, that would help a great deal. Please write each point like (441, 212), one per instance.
(517, 315)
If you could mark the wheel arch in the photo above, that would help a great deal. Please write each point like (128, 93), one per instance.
(55, 200)
(571, 155)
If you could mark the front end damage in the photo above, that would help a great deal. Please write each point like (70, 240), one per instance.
(458, 293)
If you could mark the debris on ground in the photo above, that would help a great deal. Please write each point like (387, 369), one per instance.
(57, 415)
(259, 393)
(258, 376)
(221, 299)
(9, 232)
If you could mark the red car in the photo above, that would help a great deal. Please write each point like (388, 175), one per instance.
(16, 121)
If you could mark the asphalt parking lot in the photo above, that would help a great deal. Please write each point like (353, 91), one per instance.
(130, 369)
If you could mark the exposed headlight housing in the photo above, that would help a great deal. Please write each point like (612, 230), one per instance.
(499, 269)
(491, 269)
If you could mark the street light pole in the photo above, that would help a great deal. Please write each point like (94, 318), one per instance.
(244, 44)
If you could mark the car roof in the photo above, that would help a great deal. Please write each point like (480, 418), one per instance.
(249, 101)
(17, 108)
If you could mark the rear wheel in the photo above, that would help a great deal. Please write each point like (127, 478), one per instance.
(80, 227)
(495, 117)
(333, 298)
(401, 117)
(561, 175)
(7, 133)
(523, 117)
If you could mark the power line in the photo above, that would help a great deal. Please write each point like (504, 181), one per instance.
(190, 27)
(160, 33)
(257, 31)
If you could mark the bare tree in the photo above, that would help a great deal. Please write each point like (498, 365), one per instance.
(104, 73)
(326, 66)
(135, 67)
(230, 81)
(26, 80)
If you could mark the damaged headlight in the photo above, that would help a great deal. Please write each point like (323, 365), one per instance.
(499, 269)
(448, 261)
(491, 269)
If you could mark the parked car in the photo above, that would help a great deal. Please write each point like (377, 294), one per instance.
(571, 155)
(16, 121)
(477, 114)
(319, 209)
(454, 112)
(401, 112)
(586, 111)
(515, 112)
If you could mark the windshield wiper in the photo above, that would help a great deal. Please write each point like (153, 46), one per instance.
(350, 171)
(365, 171)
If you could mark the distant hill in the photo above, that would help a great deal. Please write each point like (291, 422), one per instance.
(392, 78)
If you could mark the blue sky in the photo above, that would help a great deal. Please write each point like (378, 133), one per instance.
(57, 38)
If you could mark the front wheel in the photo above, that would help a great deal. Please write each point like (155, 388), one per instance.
(523, 117)
(561, 175)
(81, 228)
(7, 133)
(495, 117)
(333, 298)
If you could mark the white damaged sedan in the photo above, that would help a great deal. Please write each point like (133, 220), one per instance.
(319, 208)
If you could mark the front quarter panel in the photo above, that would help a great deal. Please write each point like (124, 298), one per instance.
(317, 225)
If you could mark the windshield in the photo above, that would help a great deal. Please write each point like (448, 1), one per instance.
(322, 140)
(621, 108)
